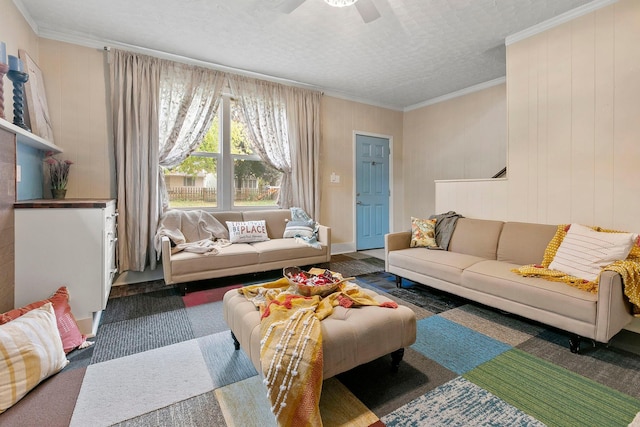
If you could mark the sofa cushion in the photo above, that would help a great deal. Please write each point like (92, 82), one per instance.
(496, 278)
(235, 255)
(223, 217)
(284, 249)
(443, 265)
(276, 220)
(477, 237)
(524, 243)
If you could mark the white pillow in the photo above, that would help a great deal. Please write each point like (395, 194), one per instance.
(247, 231)
(584, 251)
(30, 351)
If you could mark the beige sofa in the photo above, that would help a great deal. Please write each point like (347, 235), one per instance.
(242, 258)
(477, 266)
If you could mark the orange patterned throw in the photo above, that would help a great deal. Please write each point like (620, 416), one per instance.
(629, 268)
(291, 345)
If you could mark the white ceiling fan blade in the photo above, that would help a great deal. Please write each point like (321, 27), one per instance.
(288, 6)
(368, 10)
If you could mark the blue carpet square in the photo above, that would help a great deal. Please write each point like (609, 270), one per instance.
(454, 346)
(226, 364)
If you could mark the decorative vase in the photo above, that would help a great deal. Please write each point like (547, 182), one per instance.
(58, 193)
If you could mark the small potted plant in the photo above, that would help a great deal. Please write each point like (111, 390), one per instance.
(58, 175)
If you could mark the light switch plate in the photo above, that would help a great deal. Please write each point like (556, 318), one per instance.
(18, 173)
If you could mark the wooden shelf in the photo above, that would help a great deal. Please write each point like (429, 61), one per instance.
(27, 138)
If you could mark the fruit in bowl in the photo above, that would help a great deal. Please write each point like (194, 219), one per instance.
(309, 283)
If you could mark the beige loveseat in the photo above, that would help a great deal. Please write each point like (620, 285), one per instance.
(477, 266)
(242, 258)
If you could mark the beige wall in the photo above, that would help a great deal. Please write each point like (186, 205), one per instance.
(75, 81)
(574, 127)
(573, 110)
(16, 34)
(464, 137)
(341, 119)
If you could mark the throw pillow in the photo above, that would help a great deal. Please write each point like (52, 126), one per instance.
(31, 350)
(423, 233)
(584, 252)
(66, 323)
(299, 229)
(247, 231)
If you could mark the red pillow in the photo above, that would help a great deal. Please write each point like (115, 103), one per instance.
(67, 326)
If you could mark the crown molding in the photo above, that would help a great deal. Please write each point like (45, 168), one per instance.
(461, 92)
(26, 15)
(558, 20)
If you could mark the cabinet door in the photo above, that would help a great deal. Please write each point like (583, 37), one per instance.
(56, 247)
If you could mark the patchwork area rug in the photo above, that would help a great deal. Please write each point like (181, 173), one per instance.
(161, 359)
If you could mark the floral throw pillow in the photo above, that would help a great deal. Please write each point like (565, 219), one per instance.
(423, 233)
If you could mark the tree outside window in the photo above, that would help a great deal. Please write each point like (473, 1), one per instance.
(254, 183)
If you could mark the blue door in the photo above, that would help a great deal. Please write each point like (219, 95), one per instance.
(372, 191)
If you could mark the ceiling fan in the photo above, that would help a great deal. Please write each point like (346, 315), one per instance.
(368, 11)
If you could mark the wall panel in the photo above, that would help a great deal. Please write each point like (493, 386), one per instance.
(573, 120)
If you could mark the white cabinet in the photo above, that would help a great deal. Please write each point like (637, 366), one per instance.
(67, 242)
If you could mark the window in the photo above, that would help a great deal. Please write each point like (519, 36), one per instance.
(224, 172)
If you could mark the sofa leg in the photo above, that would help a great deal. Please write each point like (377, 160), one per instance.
(574, 343)
(236, 343)
(398, 281)
(396, 358)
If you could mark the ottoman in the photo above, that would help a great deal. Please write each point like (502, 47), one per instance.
(350, 336)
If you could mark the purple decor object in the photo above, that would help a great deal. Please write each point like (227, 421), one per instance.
(3, 53)
(15, 64)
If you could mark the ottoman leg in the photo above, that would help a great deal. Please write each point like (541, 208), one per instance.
(396, 358)
(236, 343)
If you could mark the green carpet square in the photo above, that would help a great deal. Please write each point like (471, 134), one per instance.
(552, 394)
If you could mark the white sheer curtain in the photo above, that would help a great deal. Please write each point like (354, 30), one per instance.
(189, 98)
(134, 81)
(263, 106)
(284, 124)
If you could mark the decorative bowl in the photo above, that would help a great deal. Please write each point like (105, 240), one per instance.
(309, 284)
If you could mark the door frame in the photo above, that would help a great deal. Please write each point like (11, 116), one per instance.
(355, 177)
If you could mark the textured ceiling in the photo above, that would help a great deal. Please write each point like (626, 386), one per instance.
(416, 51)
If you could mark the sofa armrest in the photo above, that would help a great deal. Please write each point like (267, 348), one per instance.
(166, 260)
(394, 242)
(614, 309)
(324, 235)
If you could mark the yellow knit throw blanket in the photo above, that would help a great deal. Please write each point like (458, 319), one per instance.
(291, 345)
(629, 269)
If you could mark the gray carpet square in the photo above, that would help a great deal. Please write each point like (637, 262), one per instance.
(119, 339)
(199, 411)
(131, 307)
(612, 367)
(226, 364)
(206, 319)
(428, 298)
(384, 391)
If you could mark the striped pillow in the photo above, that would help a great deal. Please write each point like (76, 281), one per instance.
(31, 350)
(299, 229)
(584, 252)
